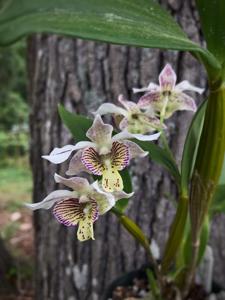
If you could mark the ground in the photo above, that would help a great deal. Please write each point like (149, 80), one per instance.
(16, 222)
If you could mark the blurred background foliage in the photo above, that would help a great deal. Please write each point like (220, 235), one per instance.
(16, 229)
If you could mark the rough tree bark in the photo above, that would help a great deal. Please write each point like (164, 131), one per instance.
(81, 75)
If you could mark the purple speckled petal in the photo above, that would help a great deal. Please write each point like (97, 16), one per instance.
(92, 161)
(69, 212)
(149, 98)
(167, 78)
(120, 155)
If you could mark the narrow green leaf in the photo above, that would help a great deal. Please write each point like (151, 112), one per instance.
(191, 147)
(212, 17)
(162, 157)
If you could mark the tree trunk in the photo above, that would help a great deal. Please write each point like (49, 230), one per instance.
(81, 75)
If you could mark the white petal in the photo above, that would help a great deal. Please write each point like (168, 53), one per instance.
(149, 137)
(121, 195)
(126, 135)
(144, 89)
(105, 200)
(151, 87)
(51, 199)
(109, 108)
(59, 155)
(100, 133)
(76, 166)
(187, 86)
(135, 150)
(78, 184)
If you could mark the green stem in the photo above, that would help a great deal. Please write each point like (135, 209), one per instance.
(167, 149)
(207, 171)
(176, 234)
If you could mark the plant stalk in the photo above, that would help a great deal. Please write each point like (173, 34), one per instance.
(206, 173)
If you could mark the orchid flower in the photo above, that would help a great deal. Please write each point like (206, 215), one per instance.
(103, 155)
(134, 119)
(167, 97)
(82, 206)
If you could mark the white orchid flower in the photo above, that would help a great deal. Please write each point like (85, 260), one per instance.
(133, 118)
(81, 207)
(167, 97)
(104, 155)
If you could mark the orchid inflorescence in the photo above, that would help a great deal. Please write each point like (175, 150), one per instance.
(105, 154)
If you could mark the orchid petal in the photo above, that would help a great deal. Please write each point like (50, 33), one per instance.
(135, 150)
(186, 103)
(123, 124)
(69, 212)
(121, 195)
(187, 86)
(180, 101)
(85, 230)
(149, 99)
(151, 87)
(100, 133)
(127, 135)
(76, 166)
(59, 155)
(136, 90)
(51, 199)
(78, 184)
(120, 156)
(111, 180)
(167, 78)
(127, 104)
(104, 200)
(92, 161)
(109, 108)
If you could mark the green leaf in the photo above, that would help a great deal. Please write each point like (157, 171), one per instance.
(212, 17)
(162, 157)
(191, 147)
(77, 124)
(129, 22)
(133, 22)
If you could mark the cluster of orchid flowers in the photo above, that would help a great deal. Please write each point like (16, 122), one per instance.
(105, 154)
